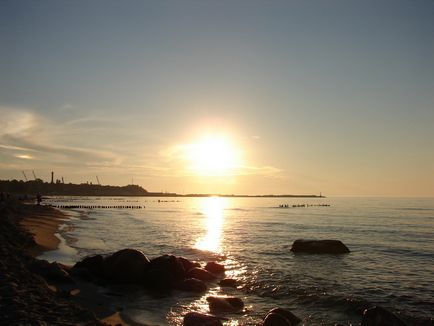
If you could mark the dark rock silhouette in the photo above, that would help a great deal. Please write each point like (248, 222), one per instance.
(126, 266)
(188, 264)
(378, 316)
(169, 264)
(215, 268)
(319, 247)
(228, 282)
(225, 304)
(51, 271)
(131, 266)
(201, 274)
(279, 316)
(192, 285)
(92, 264)
(197, 319)
(158, 279)
(273, 319)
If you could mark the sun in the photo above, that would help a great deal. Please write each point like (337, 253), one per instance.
(213, 156)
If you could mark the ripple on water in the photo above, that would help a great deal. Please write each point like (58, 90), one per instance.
(391, 243)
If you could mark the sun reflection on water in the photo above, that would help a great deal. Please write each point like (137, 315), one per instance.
(212, 208)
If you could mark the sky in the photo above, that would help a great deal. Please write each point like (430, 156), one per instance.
(303, 96)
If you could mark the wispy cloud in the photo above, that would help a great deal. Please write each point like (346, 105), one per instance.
(24, 156)
(23, 131)
(90, 145)
(15, 148)
(82, 143)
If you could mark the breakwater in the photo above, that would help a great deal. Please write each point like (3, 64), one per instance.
(98, 206)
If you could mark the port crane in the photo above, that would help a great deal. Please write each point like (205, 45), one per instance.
(25, 177)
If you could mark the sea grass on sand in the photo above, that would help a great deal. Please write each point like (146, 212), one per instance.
(25, 297)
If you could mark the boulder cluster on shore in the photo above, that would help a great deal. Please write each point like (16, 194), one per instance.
(36, 292)
(167, 273)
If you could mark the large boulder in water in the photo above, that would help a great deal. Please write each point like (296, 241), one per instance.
(215, 268)
(224, 304)
(164, 272)
(201, 274)
(273, 319)
(157, 279)
(319, 247)
(126, 266)
(228, 282)
(378, 316)
(198, 319)
(170, 264)
(192, 285)
(188, 264)
(280, 317)
(92, 264)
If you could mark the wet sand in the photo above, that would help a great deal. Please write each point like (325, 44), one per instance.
(43, 223)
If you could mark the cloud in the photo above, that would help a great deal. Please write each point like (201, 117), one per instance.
(24, 156)
(89, 145)
(81, 144)
(24, 131)
(15, 148)
(16, 122)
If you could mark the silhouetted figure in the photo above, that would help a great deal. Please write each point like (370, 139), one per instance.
(38, 199)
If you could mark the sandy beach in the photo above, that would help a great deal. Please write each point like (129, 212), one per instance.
(42, 222)
(32, 293)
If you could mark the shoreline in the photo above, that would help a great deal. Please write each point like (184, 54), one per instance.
(43, 223)
(29, 293)
(24, 223)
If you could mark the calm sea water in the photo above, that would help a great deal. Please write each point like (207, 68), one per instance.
(391, 261)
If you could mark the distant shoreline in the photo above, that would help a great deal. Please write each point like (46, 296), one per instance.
(33, 187)
(175, 195)
(242, 196)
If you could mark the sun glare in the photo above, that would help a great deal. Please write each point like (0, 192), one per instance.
(213, 156)
(213, 210)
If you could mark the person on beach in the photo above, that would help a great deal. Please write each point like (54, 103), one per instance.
(38, 199)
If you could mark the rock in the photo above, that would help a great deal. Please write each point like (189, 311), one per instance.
(126, 266)
(378, 316)
(188, 264)
(171, 265)
(225, 304)
(215, 268)
(192, 285)
(319, 247)
(51, 271)
(83, 274)
(93, 264)
(288, 315)
(164, 272)
(197, 319)
(228, 282)
(273, 319)
(158, 279)
(201, 274)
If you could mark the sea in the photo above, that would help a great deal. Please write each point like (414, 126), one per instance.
(391, 263)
